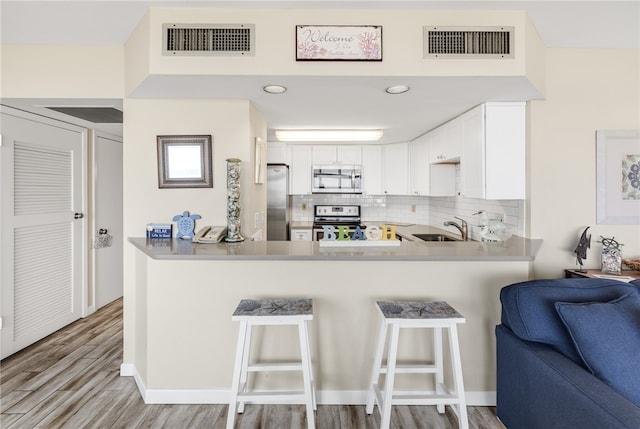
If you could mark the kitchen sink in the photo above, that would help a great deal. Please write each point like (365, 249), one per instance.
(435, 237)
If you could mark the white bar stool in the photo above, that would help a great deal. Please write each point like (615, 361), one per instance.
(272, 312)
(420, 314)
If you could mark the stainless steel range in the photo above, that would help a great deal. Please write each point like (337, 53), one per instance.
(335, 216)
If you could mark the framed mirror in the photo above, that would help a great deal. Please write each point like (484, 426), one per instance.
(185, 162)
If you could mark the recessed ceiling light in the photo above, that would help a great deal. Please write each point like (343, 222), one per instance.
(328, 135)
(397, 89)
(274, 89)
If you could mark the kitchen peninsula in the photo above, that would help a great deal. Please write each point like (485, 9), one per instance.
(185, 293)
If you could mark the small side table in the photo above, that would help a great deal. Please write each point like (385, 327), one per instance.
(573, 273)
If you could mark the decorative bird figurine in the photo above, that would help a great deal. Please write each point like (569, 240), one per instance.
(186, 225)
(581, 248)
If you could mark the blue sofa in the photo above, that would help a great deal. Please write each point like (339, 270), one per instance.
(568, 354)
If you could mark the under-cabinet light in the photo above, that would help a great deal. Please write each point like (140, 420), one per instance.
(328, 135)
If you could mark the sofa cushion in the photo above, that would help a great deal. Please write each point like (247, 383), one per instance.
(607, 337)
(528, 308)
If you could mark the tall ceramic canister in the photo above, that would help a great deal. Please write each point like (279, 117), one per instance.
(233, 201)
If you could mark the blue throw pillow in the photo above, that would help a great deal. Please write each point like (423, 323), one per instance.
(607, 337)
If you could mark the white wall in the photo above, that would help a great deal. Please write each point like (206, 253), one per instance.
(233, 124)
(587, 90)
(402, 43)
(30, 71)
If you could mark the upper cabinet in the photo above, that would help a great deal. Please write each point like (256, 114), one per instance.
(300, 157)
(372, 177)
(395, 161)
(419, 166)
(493, 160)
(445, 142)
(277, 153)
(340, 154)
(436, 180)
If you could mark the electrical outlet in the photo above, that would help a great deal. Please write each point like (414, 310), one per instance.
(256, 220)
(303, 207)
(413, 208)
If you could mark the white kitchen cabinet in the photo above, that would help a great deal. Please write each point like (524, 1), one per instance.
(350, 154)
(300, 157)
(395, 161)
(301, 234)
(340, 154)
(372, 170)
(419, 166)
(277, 153)
(445, 142)
(493, 160)
(442, 180)
(436, 180)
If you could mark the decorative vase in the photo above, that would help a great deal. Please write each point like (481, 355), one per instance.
(611, 256)
(233, 201)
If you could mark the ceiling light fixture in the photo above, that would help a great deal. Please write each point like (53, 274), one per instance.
(274, 89)
(327, 135)
(397, 89)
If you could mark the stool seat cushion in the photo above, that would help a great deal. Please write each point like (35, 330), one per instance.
(274, 307)
(417, 310)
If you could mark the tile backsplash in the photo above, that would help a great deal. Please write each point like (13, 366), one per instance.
(432, 211)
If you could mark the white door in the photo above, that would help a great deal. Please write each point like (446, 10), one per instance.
(107, 194)
(43, 229)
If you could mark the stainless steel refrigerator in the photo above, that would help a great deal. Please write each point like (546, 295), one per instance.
(278, 202)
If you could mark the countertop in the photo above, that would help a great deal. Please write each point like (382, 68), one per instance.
(514, 249)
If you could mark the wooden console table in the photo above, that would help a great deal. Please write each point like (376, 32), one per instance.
(595, 273)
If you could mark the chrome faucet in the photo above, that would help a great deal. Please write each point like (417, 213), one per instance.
(463, 227)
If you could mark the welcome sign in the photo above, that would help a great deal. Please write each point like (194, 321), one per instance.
(338, 43)
(340, 236)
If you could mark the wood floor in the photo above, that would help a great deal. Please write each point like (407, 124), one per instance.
(71, 380)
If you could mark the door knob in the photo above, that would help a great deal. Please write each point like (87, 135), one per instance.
(78, 215)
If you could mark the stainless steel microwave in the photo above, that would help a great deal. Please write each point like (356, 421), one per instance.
(336, 179)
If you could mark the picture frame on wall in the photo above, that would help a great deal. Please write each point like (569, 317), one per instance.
(618, 177)
(185, 161)
(338, 43)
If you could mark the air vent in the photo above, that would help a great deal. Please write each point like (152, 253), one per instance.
(209, 39)
(468, 42)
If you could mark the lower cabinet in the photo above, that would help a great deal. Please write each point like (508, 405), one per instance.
(301, 234)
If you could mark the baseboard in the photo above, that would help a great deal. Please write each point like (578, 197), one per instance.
(221, 396)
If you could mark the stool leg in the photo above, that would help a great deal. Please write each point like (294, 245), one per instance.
(245, 366)
(377, 364)
(438, 361)
(306, 373)
(463, 421)
(385, 417)
(313, 383)
(235, 383)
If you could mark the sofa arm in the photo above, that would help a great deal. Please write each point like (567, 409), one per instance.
(539, 388)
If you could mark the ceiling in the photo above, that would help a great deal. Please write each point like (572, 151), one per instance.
(318, 102)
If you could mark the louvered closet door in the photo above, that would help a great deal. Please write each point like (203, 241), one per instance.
(43, 267)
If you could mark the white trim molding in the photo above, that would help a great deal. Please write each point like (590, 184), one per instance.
(221, 396)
